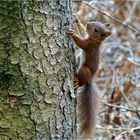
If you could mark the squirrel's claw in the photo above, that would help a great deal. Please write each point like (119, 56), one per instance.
(76, 85)
(71, 32)
(76, 18)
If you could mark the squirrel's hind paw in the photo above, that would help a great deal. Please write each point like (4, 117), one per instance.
(76, 85)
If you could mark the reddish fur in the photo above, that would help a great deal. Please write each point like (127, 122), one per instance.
(88, 100)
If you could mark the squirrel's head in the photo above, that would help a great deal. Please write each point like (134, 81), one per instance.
(98, 30)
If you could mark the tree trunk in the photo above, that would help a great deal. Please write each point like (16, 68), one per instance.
(36, 71)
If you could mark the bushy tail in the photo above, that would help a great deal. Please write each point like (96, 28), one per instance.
(88, 103)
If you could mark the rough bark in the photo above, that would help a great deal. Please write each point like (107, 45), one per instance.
(36, 71)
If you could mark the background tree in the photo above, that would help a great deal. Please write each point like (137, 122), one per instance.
(36, 71)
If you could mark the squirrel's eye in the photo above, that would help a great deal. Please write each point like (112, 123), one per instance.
(96, 30)
(102, 35)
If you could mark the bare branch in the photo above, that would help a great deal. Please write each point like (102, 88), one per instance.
(121, 107)
(128, 19)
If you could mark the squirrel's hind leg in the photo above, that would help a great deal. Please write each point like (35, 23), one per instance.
(84, 75)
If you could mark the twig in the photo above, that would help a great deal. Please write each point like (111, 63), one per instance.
(131, 130)
(111, 17)
(78, 0)
(128, 102)
(121, 107)
(128, 19)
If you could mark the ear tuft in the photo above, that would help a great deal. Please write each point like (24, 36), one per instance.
(107, 25)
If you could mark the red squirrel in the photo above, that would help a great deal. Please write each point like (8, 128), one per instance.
(88, 100)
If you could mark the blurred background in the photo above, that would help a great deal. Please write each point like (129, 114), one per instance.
(118, 76)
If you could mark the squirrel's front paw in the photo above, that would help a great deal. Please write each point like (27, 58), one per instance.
(76, 18)
(71, 32)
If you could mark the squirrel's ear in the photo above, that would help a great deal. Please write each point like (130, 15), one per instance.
(107, 25)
